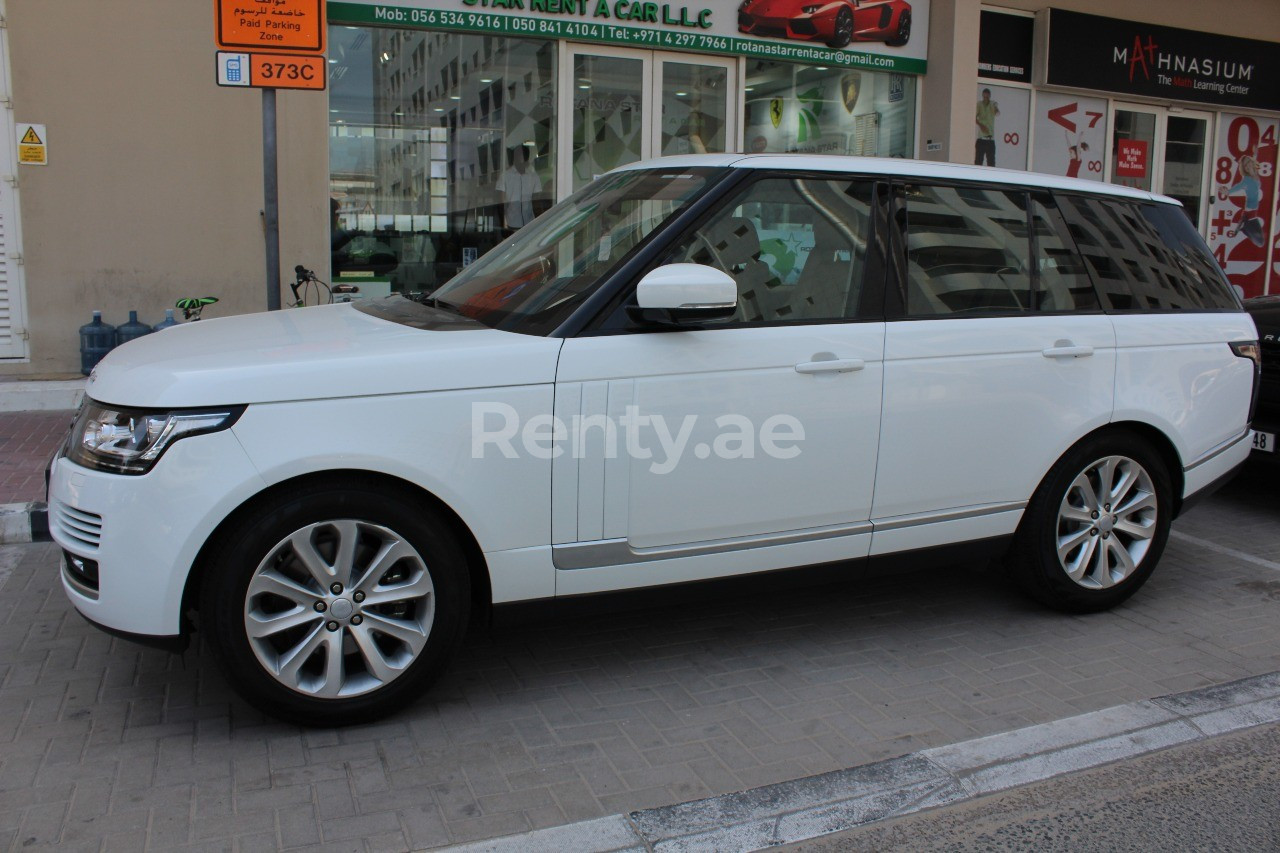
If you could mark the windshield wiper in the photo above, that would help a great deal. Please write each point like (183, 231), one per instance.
(432, 302)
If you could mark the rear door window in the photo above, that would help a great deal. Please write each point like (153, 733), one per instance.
(1063, 283)
(967, 250)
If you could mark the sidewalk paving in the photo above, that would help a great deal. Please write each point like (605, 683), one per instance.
(106, 744)
(27, 441)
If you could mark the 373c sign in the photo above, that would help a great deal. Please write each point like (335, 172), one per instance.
(272, 70)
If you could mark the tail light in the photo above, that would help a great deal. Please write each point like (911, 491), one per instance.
(1253, 352)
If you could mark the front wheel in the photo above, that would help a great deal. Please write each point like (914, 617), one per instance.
(842, 30)
(1097, 525)
(335, 605)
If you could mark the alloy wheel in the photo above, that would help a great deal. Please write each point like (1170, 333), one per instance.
(339, 608)
(1106, 522)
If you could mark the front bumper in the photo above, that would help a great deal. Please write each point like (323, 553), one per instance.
(802, 28)
(144, 532)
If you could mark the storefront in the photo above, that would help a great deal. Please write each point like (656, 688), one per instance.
(1185, 113)
(454, 122)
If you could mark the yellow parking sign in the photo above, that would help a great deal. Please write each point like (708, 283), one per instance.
(33, 148)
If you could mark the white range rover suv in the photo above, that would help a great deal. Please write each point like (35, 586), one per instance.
(693, 368)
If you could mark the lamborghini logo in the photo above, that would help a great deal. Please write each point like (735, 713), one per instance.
(850, 86)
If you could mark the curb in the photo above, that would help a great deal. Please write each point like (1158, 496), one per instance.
(41, 395)
(24, 522)
(790, 812)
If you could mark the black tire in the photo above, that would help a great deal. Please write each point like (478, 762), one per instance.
(1057, 514)
(842, 33)
(904, 31)
(429, 549)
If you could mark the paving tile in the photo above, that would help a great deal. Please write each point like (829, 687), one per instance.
(102, 743)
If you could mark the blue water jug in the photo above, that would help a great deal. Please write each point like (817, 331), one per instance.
(167, 321)
(96, 340)
(126, 332)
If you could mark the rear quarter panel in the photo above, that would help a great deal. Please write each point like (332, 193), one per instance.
(1177, 373)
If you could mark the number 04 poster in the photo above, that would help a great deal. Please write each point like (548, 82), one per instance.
(1243, 203)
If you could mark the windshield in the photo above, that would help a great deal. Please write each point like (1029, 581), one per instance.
(534, 280)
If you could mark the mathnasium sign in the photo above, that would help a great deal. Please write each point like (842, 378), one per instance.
(709, 26)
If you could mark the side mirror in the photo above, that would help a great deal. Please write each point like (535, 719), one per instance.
(685, 293)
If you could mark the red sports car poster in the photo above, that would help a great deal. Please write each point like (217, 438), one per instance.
(1243, 203)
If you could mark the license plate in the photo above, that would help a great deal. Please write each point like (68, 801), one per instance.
(1264, 441)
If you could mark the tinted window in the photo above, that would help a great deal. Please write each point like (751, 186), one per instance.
(967, 250)
(1145, 257)
(795, 246)
(1063, 283)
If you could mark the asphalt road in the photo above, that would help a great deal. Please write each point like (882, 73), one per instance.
(1220, 794)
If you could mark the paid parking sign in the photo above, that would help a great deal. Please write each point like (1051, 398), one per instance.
(33, 149)
(272, 70)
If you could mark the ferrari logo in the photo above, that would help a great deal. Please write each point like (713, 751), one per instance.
(775, 111)
(850, 86)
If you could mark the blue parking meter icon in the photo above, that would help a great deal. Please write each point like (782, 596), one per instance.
(234, 72)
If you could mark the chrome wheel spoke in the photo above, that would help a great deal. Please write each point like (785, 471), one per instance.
(344, 561)
(1123, 559)
(1106, 473)
(407, 632)
(271, 582)
(388, 555)
(290, 663)
(1135, 529)
(1075, 513)
(334, 666)
(1142, 501)
(419, 587)
(268, 624)
(305, 550)
(1068, 543)
(374, 660)
(1101, 574)
(1083, 486)
(1079, 567)
(1128, 478)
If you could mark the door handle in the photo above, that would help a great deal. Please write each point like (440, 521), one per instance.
(831, 365)
(1066, 349)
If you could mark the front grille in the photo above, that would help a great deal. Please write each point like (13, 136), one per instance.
(83, 528)
(804, 26)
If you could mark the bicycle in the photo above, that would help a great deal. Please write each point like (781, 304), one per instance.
(307, 281)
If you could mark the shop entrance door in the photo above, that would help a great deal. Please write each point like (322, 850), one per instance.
(1164, 151)
(619, 106)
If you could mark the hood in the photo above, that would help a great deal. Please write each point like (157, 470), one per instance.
(311, 353)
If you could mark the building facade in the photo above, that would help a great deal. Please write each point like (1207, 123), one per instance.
(448, 124)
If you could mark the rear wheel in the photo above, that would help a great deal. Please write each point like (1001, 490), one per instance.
(1097, 525)
(335, 605)
(903, 34)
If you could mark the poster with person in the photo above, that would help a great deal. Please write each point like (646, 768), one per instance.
(1243, 204)
(1000, 123)
(1071, 133)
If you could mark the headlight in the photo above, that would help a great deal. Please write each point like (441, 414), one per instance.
(129, 441)
(809, 10)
